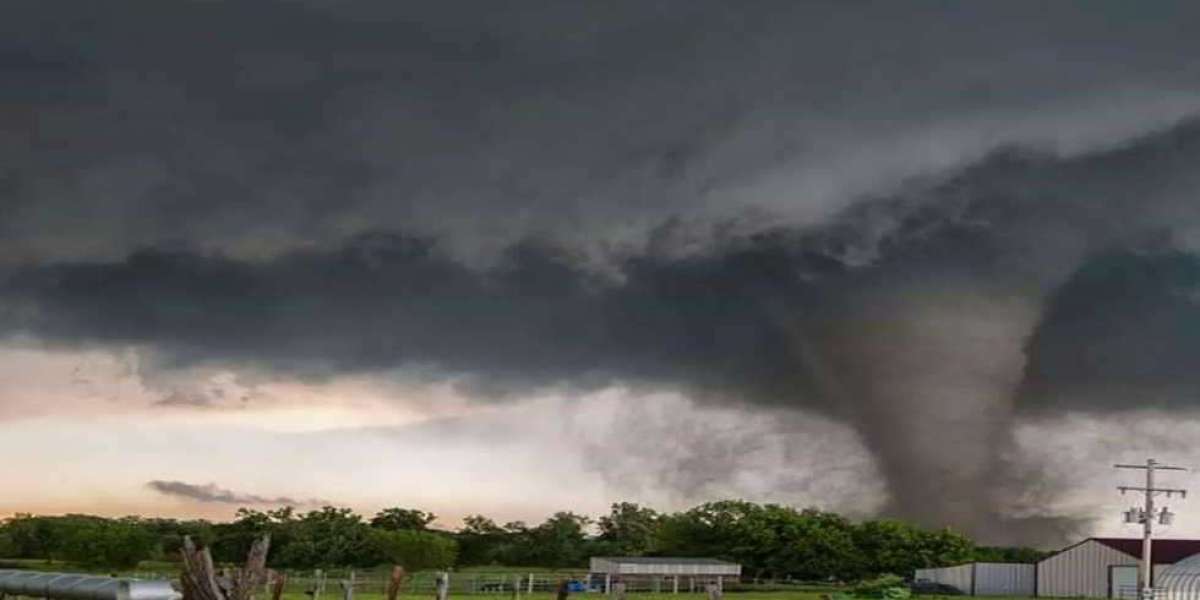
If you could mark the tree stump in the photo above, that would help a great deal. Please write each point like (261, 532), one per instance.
(200, 580)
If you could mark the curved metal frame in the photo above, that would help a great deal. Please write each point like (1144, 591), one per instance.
(75, 586)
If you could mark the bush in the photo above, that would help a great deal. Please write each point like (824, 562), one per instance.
(884, 587)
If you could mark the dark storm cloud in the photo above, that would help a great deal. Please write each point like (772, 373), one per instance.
(1019, 220)
(859, 209)
(211, 493)
(256, 126)
(387, 300)
(1122, 334)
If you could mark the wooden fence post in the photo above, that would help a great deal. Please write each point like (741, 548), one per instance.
(348, 587)
(393, 588)
(318, 584)
(279, 580)
(618, 591)
(443, 585)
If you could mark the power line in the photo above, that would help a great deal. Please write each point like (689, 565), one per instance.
(1146, 516)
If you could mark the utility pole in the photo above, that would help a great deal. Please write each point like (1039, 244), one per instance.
(1146, 516)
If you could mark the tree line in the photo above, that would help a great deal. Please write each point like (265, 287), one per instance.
(769, 540)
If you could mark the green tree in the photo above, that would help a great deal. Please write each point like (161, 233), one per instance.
(561, 541)
(7, 548)
(415, 550)
(480, 541)
(119, 544)
(890, 546)
(728, 529)
(766, 539)
(330, 536)
(480, 525)
(809, 545)
(170, 534)
(34, 537)
(1014, 554)
(944, 547)
(629, 529)
(396, 519)
(231, 541)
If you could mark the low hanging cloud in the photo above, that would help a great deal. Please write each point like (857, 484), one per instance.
(212, 493)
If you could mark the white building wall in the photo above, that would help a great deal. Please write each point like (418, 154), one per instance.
(618, 567)
(986, 579)
(959, 576)
(1005, 579)
(730, 570)
(1081, 570)
(600, 565)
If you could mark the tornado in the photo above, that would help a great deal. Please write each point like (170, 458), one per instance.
(927, 377)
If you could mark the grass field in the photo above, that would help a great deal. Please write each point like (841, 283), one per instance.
(373, 580)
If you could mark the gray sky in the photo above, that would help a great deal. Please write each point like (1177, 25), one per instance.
(821, 253)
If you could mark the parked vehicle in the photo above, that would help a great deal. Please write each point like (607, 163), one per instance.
(933, 588)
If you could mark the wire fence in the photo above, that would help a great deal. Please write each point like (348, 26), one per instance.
(331, 584)
(321, 583)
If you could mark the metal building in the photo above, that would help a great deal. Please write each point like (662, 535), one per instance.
(74, 586)
(661, 574)
(985, 579)
(1106, 567)
(1180, 581)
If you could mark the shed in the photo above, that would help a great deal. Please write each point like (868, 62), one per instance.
(985, 579)
(660, 573)
(1106, 567)
(1180, 581)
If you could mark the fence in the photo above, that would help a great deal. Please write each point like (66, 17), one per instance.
(321, 584)
(327, 584)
